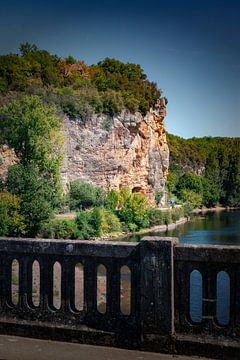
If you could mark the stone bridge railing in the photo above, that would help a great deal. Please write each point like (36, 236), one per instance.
(181, 299)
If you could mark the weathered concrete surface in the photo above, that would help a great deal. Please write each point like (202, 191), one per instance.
(19, 348)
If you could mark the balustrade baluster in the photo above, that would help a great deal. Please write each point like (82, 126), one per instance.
(67, 284)
(90, 286)
(25, 281)
(46, 282)
(113, 289)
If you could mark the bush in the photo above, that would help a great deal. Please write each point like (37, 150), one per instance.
(105, 221)
(132, 227)
(85, 226)
(167, 217)
(112, 102)
(83, 195)
(60, 229)
(11, 221)
(133, 208)
(155, 217)
(98, 222)
(190, 196)
(37, 195)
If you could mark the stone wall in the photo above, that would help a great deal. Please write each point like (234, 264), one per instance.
(126, 150)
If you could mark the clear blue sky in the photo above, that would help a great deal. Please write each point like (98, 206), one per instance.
(190, 48)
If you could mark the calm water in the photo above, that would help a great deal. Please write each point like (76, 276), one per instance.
(221, 228)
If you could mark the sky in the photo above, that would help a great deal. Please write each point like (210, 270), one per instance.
(190, 48)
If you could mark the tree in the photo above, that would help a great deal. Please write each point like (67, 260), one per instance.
(83, 195)
(26, 48)
(171, 182)
(36, 193)
(190, 182)
(33, 130)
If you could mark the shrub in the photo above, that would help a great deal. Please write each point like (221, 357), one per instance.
(37, 195)
(190, 196)
(155, 217)
(60, 229)
(104, 221)
(83, 195)
(167, 217)
(133, 208)
(11, 221)
(132, 227)
(112, 102)
(112, 200)
(84, 224)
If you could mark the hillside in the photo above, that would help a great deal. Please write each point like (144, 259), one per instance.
(215, 161)
(76, 88)
(94, 131)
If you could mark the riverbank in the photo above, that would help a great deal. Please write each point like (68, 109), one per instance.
(215, 209)
(153, 229)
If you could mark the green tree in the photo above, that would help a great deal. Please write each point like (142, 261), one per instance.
(132, 208)
(11, 221)
(171, 182)
(83, 195)
(36, 193)
(190, 182)
(33, 130)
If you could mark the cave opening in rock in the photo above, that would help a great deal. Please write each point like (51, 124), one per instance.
(137, 189)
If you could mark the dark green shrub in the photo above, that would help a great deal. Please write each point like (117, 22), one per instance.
(155, 217)
(37, 195)
(60, 229)
(83, 195)
(85, 226)
(112, 102)
(11, 221)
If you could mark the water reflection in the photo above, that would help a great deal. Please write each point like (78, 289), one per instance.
(222, 228)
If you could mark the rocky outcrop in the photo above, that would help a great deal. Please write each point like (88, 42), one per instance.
(7, 159)
(126, 150)
(113, 152)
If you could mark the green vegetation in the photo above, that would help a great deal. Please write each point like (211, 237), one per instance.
(36, 89)
(119, 211)
(74, 87)
(36, 193)
(204, 171)
(11, 221)
(83, 195)
(32, 128)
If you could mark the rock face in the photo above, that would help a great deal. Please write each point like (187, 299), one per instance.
(126, 150)
(7, 159)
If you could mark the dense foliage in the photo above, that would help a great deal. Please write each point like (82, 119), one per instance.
(205, 171)
(116, 212)
(36, 89)
(32, 128)
(76, 88)
(11, 221)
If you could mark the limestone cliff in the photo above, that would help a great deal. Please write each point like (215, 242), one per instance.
(7, 159)
(126, 150)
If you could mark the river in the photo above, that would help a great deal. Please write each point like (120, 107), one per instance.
(212, 227)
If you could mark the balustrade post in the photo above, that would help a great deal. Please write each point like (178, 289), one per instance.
(156, 290)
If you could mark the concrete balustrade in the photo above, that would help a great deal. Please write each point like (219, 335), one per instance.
(76, 293)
